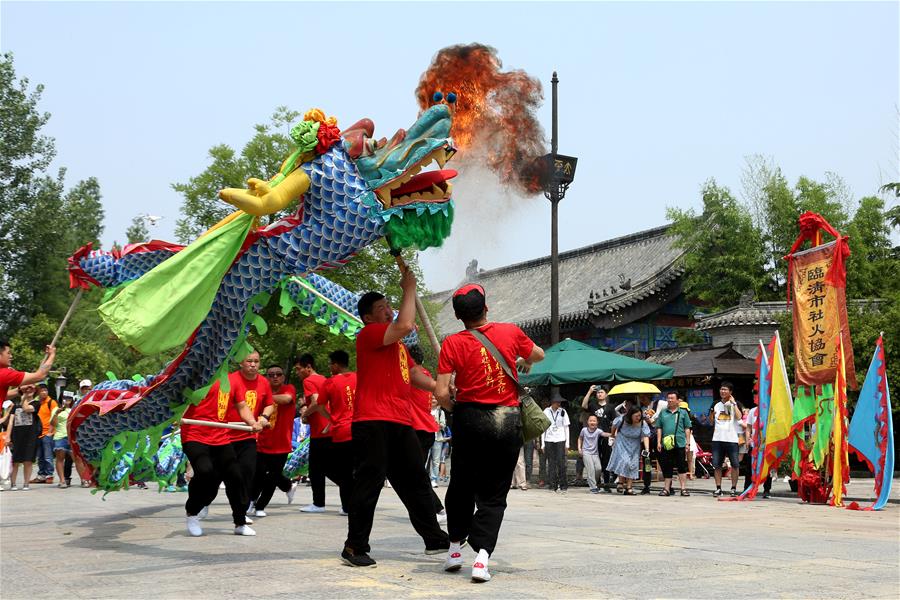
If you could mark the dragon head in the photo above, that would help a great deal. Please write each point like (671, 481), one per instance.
(414, 203)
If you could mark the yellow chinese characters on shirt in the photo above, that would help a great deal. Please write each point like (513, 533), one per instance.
(493, 374)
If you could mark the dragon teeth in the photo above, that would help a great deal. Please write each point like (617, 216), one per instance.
(384, 195)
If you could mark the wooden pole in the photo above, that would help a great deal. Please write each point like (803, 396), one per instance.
(420, 306)
(65, 320)
(217, 424)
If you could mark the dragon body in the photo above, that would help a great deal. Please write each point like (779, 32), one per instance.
(360, 191)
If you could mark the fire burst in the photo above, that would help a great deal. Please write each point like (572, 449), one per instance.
(494, 120)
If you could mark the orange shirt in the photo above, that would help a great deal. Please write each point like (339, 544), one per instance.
(45, 412)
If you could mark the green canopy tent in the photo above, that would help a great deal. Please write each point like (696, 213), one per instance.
(574, 362)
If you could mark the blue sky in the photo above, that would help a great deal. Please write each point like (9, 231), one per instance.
(655, 98)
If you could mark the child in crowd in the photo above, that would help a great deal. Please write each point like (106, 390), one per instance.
(589, 450)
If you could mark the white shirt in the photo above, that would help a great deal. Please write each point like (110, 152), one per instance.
(726, 425)
(559, 425)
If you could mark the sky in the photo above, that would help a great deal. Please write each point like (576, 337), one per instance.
(654, 98)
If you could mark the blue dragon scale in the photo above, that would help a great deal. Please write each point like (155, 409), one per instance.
(359, 191)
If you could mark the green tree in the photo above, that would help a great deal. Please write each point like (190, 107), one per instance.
(260, 157)
(871, 270)
(724, 256)
(137, 232)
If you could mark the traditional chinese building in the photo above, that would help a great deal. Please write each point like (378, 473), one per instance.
(621, 293)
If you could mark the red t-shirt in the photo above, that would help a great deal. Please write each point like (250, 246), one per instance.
(479, 377)
(420, 401)
(214, 404)
(315, 384)
(382, 390)
(277, 440)
(257, 393)
(9, 378)
(340, 392)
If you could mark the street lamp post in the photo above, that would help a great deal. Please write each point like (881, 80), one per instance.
(559, 172)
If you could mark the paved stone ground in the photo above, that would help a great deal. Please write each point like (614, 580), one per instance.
(67, 543)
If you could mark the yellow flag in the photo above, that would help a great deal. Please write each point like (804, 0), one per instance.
(840, 470)
(781, 407)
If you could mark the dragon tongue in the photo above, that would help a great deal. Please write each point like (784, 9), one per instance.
(423, 181)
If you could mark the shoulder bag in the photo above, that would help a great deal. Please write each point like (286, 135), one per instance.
(534, 421)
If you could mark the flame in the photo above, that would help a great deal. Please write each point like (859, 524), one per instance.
(494, 122)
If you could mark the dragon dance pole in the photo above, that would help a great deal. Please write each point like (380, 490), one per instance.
(217, 424)
(420, 306)
(65, 320)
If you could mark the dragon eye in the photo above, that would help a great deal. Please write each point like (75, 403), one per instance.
(437, 97)
(371, 145)
(451, 97)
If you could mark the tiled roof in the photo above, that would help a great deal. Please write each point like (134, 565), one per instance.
(762, 313)
(722, 360)
(629, 269)
(757, 313)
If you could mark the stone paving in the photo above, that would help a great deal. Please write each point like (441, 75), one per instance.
(68, 543)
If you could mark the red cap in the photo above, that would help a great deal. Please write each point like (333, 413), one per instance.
(468, 288)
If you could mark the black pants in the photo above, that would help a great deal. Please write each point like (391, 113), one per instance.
(486, 444)
(747, 470)
(556, 465)
(268, 476)
(67, 467)
(673, 460)
(334, 461)
(648, 462)
(426, 442)
(245, 452)
(529, 460)
(211, 465)
(605, 452)
(386, 449)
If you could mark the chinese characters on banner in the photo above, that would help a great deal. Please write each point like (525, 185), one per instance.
(820, 315)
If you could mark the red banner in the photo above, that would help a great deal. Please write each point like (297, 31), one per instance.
(820, 316)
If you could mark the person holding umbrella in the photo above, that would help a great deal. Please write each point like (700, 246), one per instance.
(629, 433)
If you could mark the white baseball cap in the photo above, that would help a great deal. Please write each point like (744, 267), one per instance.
(85, 383)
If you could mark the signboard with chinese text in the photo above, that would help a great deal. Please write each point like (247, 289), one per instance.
(820, 316)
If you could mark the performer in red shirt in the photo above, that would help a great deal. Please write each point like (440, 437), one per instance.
(274, 444)
(338, 396)
(486, 425)
(213, 460)
(247, 386)
(315, 412)
(425, 426)
(384, 443)
(10, 378)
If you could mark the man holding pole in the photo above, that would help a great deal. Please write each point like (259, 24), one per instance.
(10, 378)
(205, 440)
(384, 443)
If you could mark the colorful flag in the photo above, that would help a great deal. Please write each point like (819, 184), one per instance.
(821, 447)
(872, 430)
(804, 412)
(778, 426)
(840, 469)
(760, 419)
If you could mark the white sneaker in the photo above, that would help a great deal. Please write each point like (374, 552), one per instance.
(344, 513)
(251, 509)
(442, 517)
(312, 508)
(222, 486)
(204, 512)
(434, 484)
(480, 572)
(243, 530)
(290, 493)
(26, 487)
(261, 513)
(454, 562)
(248, 520)
(193, 526)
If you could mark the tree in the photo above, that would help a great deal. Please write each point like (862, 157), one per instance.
(260, 157)
(724, 256)
(137, 232)
(871, 271)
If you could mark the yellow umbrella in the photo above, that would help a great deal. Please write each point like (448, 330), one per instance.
(634, 387)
